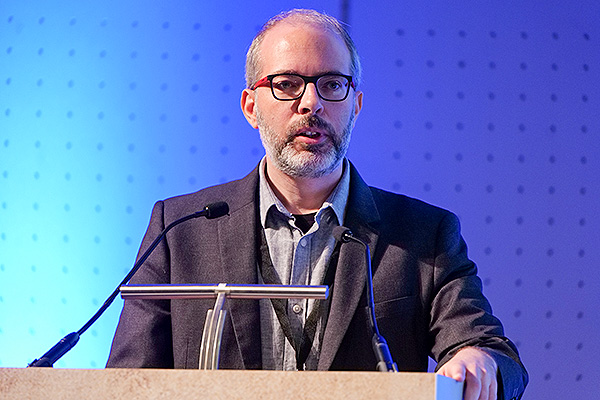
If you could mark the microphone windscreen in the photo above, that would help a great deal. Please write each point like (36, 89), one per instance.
(216, 210)
(340, 234)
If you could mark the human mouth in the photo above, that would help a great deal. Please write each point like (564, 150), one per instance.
(311, 131)
(309, 134)
(310, 138)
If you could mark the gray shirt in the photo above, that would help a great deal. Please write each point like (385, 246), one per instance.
(299, 259)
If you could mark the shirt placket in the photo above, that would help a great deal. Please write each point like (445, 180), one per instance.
(300, 275)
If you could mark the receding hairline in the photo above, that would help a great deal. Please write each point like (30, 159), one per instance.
(318, 27)
(300, 17)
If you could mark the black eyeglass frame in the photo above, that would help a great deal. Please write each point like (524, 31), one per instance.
(307, 79)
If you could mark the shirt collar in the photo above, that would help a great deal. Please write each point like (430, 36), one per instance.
(337, 200)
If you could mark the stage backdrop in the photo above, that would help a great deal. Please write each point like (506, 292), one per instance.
(490, 109)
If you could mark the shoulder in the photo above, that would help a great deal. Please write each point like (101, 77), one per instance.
(237, 194)
(394, 205)
(413, 220)
(377, 204)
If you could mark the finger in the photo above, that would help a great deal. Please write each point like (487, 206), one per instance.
(486, 381)
(489, 385)
(454, 371)
(473, 387)
(493, 389)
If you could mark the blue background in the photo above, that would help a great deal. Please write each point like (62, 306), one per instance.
(488, 108)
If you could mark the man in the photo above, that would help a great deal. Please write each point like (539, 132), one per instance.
(303, 76)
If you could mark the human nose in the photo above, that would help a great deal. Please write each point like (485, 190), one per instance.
(310, 102)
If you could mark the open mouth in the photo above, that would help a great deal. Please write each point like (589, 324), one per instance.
(312, 131)
(310, 134)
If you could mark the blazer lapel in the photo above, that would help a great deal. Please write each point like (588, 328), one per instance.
(237, 235)
(350, 277)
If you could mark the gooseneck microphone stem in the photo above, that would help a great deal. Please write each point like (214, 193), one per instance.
(214, 210)
(385, 363)
(370, 300)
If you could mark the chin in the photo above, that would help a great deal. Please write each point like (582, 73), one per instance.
(309, 165)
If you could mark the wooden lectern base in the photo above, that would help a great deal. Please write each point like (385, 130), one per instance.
(134, 384)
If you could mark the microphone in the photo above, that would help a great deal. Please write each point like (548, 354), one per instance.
(211, 211)
(380, 346)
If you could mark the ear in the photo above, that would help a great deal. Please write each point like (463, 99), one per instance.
(248, 107)
(358, 98)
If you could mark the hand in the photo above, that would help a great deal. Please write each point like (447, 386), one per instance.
(477, 369)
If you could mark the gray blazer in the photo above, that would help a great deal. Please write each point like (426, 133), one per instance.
(428, 296)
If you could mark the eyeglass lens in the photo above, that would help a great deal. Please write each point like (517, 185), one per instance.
(329, 87)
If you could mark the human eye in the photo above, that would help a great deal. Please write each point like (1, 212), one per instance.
(287, 83)
(332, 83)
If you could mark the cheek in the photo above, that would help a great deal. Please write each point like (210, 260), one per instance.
(341, 115)
(275, 114)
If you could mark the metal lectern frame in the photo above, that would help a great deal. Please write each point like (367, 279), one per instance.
(215, 318)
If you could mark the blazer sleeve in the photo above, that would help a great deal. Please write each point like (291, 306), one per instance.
(461, 316)
(143, 335)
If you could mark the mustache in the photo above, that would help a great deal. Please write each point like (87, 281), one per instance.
(313, 121)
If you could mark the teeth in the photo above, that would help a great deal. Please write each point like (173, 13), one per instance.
(311, 134)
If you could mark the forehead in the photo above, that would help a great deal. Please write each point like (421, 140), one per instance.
(304, 48)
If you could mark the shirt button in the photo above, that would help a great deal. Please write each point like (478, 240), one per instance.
(303, 242)
(297, 308)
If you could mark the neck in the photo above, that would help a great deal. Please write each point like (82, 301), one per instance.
(302, 195)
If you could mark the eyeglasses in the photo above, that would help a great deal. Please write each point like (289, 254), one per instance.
(287, 87)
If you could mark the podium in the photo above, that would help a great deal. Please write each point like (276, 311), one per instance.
(134, 384)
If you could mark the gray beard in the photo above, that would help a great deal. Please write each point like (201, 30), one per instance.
(311, 161)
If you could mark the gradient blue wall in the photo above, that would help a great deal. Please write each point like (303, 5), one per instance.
(489, 109)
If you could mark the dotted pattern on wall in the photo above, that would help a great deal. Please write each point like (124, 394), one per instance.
(104, 109)
(492, 111)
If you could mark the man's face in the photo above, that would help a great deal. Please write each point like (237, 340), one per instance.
(307, 137)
